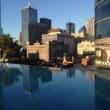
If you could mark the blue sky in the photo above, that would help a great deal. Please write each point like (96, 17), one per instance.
(60, 11)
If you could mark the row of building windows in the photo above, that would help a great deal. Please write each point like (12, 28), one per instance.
(102, 10)
(103, 29)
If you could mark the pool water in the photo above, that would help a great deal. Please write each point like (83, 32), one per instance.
(24, 87)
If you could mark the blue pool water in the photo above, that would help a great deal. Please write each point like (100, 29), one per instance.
(24, 87)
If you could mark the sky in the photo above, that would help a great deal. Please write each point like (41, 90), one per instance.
(60, 11)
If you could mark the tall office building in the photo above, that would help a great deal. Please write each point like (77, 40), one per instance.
(90, 26)
(46, 21)
(70, 28)
(102, 18)
(102, 30)
(29, 16)
(1, 31)
(35, 32)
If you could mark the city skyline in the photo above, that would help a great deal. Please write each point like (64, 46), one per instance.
(76, 11)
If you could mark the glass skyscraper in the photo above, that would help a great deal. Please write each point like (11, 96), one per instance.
(47, 22)
(29, 16)
(102, 32)
(102, 18)
(70, 28)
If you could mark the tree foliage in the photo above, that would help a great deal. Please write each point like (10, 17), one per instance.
(7, 45)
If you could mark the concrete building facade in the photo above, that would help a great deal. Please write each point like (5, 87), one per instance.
(90, 26)
(85, 47)
(57, 35)
(48, 52)
(51, 35)
(37, 51)
(20, 41)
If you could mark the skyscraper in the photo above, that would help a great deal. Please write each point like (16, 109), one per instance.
(102, 18)
(47, 22)
(90, 26)
(29, 16)
(102, 31)
(1, 31)
(35, 32)
(70, 28)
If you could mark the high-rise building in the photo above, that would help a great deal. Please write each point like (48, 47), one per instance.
(90, 26)
(70, 28)
(35, 32)
(102, 18)
(29, 15)
(83, 29)
(102, 31)
(20, 39)
(46, 21)
(1, 31)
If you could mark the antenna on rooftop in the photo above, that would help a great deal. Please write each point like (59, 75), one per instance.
(28, 4)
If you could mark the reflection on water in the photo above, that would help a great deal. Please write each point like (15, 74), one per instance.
(1, 98)
(71, 89)
(32, 75)
(102, 91)
(89, 75)
(8, 76)
(71, 72)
